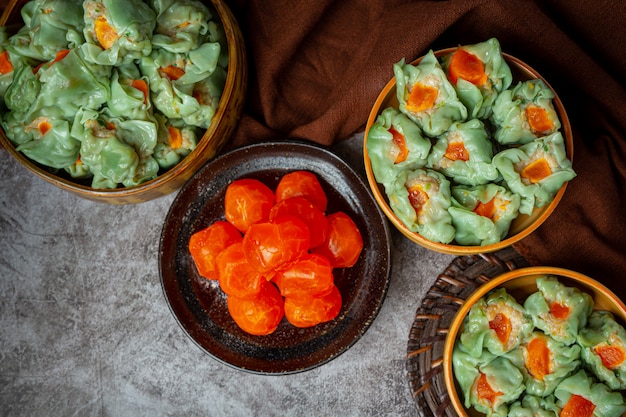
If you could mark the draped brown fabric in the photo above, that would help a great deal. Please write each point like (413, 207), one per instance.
(316, 68)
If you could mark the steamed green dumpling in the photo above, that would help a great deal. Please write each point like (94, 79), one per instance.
(536, 171)
(560, 311)
(49, 26)
(181, 25)
(531, 406)
(482, 215)
(545, 362)
(488, 383)
(421, 199)
(426, 96)
(489, 74)
(603, 344)
(497, 323)
(464, 154)
(394, 143)
(524, 113)
(116, 151)
(581, 391)
(117, 31)
(174, 142)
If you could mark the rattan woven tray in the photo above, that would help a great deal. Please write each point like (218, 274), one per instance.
(433, 317)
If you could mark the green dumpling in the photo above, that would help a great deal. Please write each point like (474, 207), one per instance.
(395, 143)
(536, 171)
(426, 96)
(181, 25)
(186, 86)
(421, 199)
(560, 311)
(531, 406)
(497, 323)
(545, 362)
(130, 94)
(174, 142)
(603, 344)
(464, 153)
(478, 89)
(581, 390)
(116, 151)
(117, 31)
(482, 215)
(524, 113)
(49, 26)
(488, 383)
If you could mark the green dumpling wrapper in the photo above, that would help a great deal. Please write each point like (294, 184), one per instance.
(195, 95)
(395, 143)
(536, 171)
(181, 25)
(531, 406)
(607, 403)
(426, 96)
(497, 373)
(559, 310)
(486, 324)
(421, 199)
(604, 337)
(47, 140)
(117, 152)
(49, 26)
(72, 83)
(540, 376)
(520, 114)
(128, 24)
(464, 154)
(482, 215)
(166, 152)
(126, 100)
(478, 96)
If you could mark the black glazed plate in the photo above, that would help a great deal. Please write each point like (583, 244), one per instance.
(200, 306)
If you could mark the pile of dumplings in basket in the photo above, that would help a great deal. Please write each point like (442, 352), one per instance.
(467, 150)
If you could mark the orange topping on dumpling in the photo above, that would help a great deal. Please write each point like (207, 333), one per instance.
(467, 66)
(578, 406)
(172, 72)
(538, 360)
(457, 151)
(175, 137)
(400, 141)
(536, 170)
(484, 389)
(538, 119)
(559, 311)
(105, 33)
(422, 97)
(44, 126)
(417, 197)
(5, 63)
(487, 209)
(612, 355)
(501, 324)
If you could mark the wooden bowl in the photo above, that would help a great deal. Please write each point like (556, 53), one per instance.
(523, 225)
(219, 131)
(520, 283)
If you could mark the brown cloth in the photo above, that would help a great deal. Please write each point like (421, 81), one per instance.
(316, 68)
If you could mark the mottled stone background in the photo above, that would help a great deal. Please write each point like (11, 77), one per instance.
(85, 329)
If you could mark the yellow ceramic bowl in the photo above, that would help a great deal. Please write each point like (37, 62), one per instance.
(214, 138)
(523, 225)
(520, 283)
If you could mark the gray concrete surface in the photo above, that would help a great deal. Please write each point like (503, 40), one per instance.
(85, 329)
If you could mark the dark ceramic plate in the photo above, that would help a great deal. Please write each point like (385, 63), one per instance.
(200, 306)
